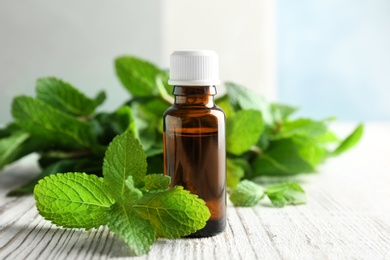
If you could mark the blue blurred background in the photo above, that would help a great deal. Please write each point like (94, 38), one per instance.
(334, 58)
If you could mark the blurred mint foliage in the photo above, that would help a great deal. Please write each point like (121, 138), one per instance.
(62, 125)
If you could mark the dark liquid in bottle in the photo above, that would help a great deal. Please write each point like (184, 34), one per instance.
(195, 159)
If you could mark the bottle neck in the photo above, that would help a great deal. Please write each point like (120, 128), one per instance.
(194, 95)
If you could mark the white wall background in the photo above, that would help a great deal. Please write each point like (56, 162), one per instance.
(78, 40)
(242, 32)
(73, 40)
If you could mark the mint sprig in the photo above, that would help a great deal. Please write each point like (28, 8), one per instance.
(137, 207)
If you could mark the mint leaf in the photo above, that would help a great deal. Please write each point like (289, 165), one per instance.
(302, 127)
(124, 157)
(100, 98)
(283, 157)
(148, 121)
(313, 152)
(224, 103)
(137, 232)
(124, 121)
(157, 182)
(48, 123)
(173, 213)
(328, 137)
(244, 98)
(17, 145)
(133, 192)
(73, 200)
(246, 194)
(350, 141)
(164, 89)
(137, 75)
(65, 97)
(235, 171)
(281, 112)
(286, 193)
(243, 130)
(108, 125)
(9, 147)
(9, 129)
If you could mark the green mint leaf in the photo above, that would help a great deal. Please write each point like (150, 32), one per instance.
(265, 139)
(302, 127)
(102, 128)
(153, 151)
(17, 145)
(281, 112)
(313, 152)
(124, 157)
(66, 165)
(350, 141)
(224, 103)
(283, 157)
(153, 108)
(137, 232)
(164, 89)
(73, 200)
(235, 171)
(133, 192)
(328, 137)
(243, 130)
(9, 147)
(244, 98)
(173, 213)
(65, 97)
(124, 121)
(148, 119)
(138, 76)
(108, 125)
(157, 182)
(100, 98)
(9, 129)
(145, 123)
(285, 194)
(50, 124)
(247, 194)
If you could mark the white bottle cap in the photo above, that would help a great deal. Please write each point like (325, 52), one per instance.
(194, 68)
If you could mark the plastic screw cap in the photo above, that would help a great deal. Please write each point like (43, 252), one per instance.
(194, 68)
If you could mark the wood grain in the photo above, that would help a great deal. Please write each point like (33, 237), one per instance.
(347, 217)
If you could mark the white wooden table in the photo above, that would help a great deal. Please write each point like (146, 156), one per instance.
(347, 216)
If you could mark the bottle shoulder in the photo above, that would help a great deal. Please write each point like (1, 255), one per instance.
(198, 113)
(175, 109)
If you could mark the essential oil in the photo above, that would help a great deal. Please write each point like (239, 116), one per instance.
(194, 134)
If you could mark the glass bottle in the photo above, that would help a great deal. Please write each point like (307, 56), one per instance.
(194, 134)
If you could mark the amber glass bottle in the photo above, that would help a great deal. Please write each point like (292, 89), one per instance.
(194, 136)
